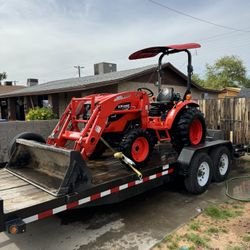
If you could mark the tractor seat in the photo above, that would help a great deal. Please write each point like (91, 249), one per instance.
(165, 95)
(164, 102)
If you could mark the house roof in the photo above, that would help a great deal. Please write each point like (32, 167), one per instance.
(244, 92)
(87, 82)
(7, 89)
(233, 89)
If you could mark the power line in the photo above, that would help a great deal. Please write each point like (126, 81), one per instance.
(79, 69)
(196, 18)
(219, 36)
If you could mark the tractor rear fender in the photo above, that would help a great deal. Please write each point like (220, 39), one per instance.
(172, 114)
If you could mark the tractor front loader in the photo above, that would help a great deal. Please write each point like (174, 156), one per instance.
(125, 122)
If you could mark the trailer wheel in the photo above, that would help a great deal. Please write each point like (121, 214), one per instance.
(137, 145)
(25, 135)
(200, 174)
(189, 128)
(222, 161)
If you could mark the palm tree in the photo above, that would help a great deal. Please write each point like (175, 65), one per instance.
(3, 76)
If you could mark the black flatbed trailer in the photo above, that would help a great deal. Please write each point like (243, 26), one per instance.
(110, 181)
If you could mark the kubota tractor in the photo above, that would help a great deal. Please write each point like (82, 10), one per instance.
(127, 122)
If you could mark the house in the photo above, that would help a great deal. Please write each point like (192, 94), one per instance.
(229, 92)
(6, 88)
(58, 93)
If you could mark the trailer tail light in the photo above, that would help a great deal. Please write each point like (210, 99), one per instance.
(16, 226)
(13, 229)
(188, 97)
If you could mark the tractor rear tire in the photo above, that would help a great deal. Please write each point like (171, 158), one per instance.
(137, 145)
(189, 128)
(25, 135)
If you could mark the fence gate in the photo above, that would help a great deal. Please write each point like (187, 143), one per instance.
(228, 114)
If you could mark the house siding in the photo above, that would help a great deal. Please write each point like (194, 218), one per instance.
(65, 98)
(170, 79)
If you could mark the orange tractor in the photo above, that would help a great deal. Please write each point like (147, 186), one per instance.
(128, 121)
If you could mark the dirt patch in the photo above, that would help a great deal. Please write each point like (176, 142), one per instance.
(225, 226)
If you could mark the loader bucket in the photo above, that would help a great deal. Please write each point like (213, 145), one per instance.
(55, 170)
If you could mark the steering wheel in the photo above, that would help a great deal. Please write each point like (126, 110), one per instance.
(149, 92)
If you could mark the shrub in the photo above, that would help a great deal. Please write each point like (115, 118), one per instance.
(40, 114)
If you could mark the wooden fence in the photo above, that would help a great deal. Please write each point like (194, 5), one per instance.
(228, 114)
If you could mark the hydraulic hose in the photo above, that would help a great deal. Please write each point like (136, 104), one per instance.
(232, 196)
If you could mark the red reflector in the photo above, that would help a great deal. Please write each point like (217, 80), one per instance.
(72, 204)
(95, 197)
(171, 170)
(45, 214)
(115, 190)
(131, 184)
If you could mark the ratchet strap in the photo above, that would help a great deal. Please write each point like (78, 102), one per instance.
(124, 158)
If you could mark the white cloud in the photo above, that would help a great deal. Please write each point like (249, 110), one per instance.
(45, 39)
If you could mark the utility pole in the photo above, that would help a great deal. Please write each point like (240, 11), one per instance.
(79, 69)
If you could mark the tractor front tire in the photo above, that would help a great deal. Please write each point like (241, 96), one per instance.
(189, 128)
(137, 145)
(99, 150)
(25, 135)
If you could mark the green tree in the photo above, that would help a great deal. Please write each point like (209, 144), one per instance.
(196, 78)
(3, 76)
(247, 85)
(227, 71)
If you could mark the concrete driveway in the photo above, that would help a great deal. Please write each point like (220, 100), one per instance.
(137, 223)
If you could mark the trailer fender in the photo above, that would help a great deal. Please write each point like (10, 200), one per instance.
(186, 155)
(176, 110)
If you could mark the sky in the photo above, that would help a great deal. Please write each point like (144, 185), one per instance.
(46, 39)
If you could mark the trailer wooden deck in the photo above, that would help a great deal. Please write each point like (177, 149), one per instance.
(107, 168)
(18, 194)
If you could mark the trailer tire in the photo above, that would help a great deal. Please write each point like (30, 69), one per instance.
(137, 145)
(222, 161)
(25, 135)
(200, 173)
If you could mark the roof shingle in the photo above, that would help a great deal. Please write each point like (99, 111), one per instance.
(7, 89)
(74, 84)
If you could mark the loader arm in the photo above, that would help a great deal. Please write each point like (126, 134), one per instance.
(126, 105)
